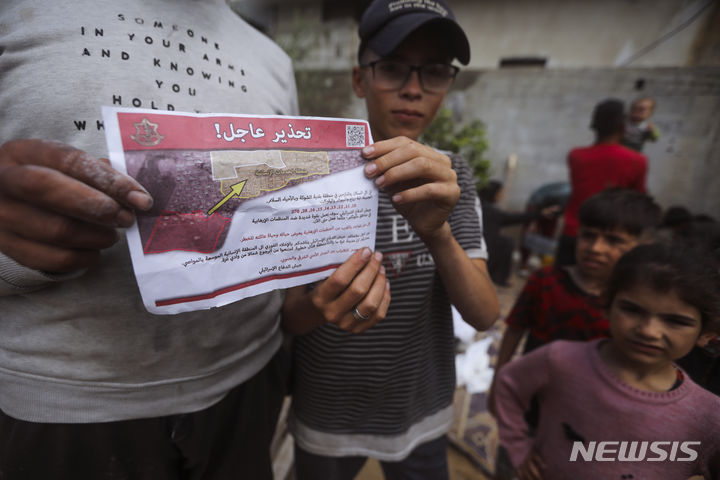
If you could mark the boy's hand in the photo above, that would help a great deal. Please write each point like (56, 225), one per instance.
(419, 180)
(531, 468)
(359, 283)
(59, 206)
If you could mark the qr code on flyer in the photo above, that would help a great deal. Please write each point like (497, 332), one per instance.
(354, 135)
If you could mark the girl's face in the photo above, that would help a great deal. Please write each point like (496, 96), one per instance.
(650, 328)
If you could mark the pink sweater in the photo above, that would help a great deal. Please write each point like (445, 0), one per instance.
(610, 428)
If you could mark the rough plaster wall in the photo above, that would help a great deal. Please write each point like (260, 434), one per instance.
(539, 115)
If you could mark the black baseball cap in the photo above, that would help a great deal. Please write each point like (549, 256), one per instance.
(386, 23)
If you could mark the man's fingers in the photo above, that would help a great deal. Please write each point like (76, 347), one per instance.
(42, 256)
(47, 227)
(35, 170)
(52, 190)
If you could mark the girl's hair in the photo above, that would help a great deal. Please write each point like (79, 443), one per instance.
(666, 267)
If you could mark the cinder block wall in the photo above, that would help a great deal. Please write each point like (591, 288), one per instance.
(539, 115)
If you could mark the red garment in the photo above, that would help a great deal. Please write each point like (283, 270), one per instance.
(553, 307)
(595, 168)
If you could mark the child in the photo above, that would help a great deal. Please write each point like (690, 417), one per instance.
(620, 407)
(563, 302)
(384, 389)
(637, 128)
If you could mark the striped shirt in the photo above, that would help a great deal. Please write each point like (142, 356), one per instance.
(383, 392)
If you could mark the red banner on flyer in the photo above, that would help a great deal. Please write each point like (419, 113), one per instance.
(161, 131)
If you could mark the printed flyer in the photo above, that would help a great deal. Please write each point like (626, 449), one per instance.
(243, 204)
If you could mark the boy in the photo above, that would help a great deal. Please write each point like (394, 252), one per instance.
(620, 407)
(387, 393)
(564, 302)
(638, 129)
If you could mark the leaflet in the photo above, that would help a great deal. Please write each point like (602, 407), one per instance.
(243, 204)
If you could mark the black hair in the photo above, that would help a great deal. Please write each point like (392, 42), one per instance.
(676, 215)
(608, 117)
(489, 191)
(623, 208)
(667, 267)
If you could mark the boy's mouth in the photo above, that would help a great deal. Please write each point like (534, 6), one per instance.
(407, 113)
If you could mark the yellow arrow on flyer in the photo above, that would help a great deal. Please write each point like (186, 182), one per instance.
(236, 189)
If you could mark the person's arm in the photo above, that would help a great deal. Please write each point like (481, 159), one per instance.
(522, 317)
(466, 280)
(508, 345)
(423, 188)
(517, 383)
(652, 133)
(359, 283)
(59, 208)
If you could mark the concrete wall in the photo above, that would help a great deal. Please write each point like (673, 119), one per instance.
(582, 33)
(569, 33)
(539, 115)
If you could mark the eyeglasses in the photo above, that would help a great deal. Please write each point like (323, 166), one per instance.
(392, 75)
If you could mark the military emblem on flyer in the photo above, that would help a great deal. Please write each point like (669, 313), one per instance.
(147, 133)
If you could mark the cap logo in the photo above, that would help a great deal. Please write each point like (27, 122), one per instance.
(429, 5)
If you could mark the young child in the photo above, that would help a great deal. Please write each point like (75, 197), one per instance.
(620, 407)
(638, 128)
(563, 302)
(373, 378)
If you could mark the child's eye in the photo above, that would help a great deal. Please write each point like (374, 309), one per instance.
(615, 241)
(629, 308)
(679, 321)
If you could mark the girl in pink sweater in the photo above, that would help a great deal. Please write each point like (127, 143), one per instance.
(620, 408)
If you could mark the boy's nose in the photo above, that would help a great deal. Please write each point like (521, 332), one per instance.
(412, 84)
(598, 245)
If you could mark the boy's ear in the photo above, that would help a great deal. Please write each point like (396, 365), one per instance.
(705, 338)
(357, 82)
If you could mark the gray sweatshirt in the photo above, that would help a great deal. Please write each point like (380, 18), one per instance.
(81, 347)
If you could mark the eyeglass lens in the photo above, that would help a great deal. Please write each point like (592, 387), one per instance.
(434, 77)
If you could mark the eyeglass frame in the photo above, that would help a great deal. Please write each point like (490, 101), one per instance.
(415, 68)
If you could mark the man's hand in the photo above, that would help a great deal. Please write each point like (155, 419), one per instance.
(59, 206)
(420, 181)
(359, 283)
